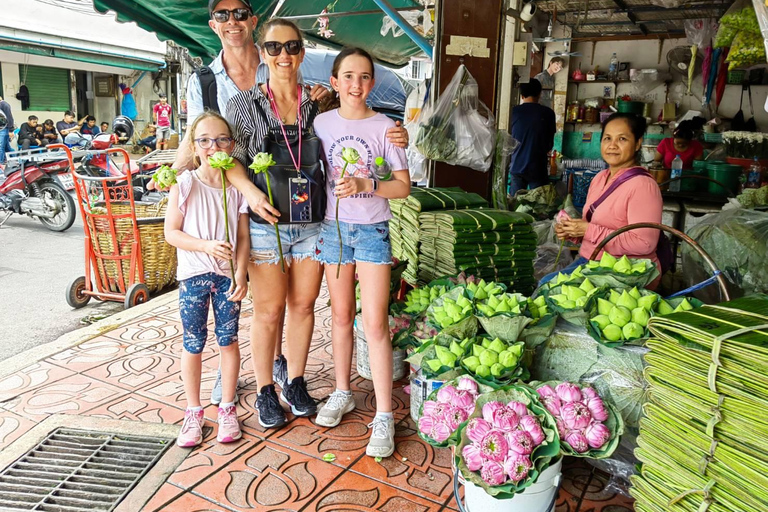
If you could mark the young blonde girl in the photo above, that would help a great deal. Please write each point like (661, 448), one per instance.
(363, 216)
(194, 223)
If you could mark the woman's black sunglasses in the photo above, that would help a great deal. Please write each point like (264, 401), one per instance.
(241, 14)
(291, 47)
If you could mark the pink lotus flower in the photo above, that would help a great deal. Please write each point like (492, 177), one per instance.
(454, 416)
(553, 404)
(467, 384)
(530, 424)
(505, 419)
(472, 457)
(589, 393)
(561, 430)
(575, 415)
(597, 434)
(597, 408)
(426, 423)
(464, 400)
(519, 408)
(546, 390)
(429, 408)
(494, 446)
(577, 441)
(520, 442)
(439, 410)
(489, 408)
(477, 428)
(446, 394)
(492, 473)
(517, 467)
(568, 392)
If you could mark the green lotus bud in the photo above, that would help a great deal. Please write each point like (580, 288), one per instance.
(593, 264)
(581, 302)
(446, 323)
(497, 346)
(607, 260)
(612, 332)
(540, 301)
(466, 310)
(568, 304)
(440, 316)
(614, 297)
(577, 272)
(558, 298)
(516, 310)
(587, 285)
(638, 268)
(493, 302)
(262, 162)
(620, 316)
(472, 287)
(497, 369)
(472, 362)
(648, 301)
(602, 321)
(480, 294)
(445, 356)
(465, 342)
(509, 359)
(664, 308)
(482, 284)
(456, 349)
(635, 293)
(458, 317)
(512, 301)
(627, 301)
(489, 358)
(350, 155)
(562, 278)
(623, 266)
(684, 306)
(483, 371)
(221, 160)
(486, 343)
(604, 307)
(633, 331)
(477, 350)
(503, 308)
(592, 292)
(574, 293)
(485, 309)
(463, 301)
(640, 316)
(517, 348)
(434, 364)
(543, 311)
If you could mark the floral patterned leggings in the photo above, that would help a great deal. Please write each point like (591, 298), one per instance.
(195, 295)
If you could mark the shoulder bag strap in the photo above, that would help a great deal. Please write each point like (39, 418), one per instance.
(208, 88)
(635, 171)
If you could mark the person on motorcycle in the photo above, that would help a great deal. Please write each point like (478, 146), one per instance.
(28, 134)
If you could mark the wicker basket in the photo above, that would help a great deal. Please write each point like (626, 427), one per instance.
(159, 257)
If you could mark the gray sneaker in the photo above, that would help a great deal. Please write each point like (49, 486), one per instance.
(216, 391)
(335, 408)
(382, 443)
(280, 371)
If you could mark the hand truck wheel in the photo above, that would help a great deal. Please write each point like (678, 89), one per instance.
(138, 293)
(76, 298)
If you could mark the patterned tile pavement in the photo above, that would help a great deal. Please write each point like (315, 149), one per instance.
(132, 373)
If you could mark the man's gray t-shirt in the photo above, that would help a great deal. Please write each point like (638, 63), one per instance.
(548, 86)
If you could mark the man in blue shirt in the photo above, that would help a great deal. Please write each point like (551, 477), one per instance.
(533, 126)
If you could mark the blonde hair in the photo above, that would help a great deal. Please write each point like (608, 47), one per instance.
(207, 114)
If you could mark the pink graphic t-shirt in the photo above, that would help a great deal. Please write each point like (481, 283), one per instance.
(368, 137)
(163, 114)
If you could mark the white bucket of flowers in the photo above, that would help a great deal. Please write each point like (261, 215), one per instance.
(538, 497)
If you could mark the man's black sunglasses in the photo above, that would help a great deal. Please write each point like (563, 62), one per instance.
(291, 47)
(240, 14)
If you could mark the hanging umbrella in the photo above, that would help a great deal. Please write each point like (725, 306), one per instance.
(715, 57)
(723, 72)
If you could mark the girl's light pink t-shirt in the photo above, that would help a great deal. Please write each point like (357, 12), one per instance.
(203, 209)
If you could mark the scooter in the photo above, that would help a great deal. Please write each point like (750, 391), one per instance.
(34, 190)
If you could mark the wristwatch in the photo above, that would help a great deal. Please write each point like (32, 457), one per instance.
(374, 185)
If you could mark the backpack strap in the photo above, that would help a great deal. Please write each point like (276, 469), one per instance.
(628, 175)
(208, 88)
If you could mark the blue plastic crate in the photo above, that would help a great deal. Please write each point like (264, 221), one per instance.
(581, 180)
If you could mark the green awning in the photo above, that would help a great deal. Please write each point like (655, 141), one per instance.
(80, 56)
(185, 22)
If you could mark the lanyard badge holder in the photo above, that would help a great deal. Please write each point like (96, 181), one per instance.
(299, 194)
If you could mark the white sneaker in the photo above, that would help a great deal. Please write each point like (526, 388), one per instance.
(382, 443)
(335, 408)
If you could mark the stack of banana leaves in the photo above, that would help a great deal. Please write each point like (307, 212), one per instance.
(496, 245)
(703, 443)
(404, 226)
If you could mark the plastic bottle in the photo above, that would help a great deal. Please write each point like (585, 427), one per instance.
(381, 169)
(613, 69)
(755, 176)
(677, 171)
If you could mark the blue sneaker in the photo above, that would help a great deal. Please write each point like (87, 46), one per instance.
(216, 391)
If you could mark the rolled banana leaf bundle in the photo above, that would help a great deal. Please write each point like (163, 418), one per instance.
(703, 441)
(404, 225)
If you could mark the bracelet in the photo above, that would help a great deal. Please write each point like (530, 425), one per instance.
(374, 185)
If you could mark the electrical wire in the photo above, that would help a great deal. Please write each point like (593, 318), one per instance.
(78, 6)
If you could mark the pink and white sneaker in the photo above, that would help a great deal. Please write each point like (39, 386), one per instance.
(192, 430)
(229, 427)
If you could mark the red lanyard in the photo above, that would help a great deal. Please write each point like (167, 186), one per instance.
(273, 104)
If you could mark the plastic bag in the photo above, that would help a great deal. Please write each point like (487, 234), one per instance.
(412, 17)
(544, 262)
(761, 11)
(700, 31)
(415, 104)
(459, 129)
(737, 241)
(740, 17)
(747, 49)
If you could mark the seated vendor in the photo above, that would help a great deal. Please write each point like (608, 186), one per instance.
(681, 143)
(636, 200)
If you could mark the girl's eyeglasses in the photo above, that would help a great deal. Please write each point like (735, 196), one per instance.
(222, 16)
(292, 47)
(207, 143)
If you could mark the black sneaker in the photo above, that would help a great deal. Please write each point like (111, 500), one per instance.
(296, 395)
(271, 413)
(280, 371)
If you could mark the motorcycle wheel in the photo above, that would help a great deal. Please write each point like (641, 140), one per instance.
(75, 296)
(138, 293)
(66, 217)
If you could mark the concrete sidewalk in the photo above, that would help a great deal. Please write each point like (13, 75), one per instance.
(127, 368)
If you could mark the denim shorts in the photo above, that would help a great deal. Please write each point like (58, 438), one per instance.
(362, 243)
(298, 241)
(195, 294)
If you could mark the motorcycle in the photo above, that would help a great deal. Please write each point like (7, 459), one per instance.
(33, 189)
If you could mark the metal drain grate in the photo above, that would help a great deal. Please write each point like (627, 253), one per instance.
(76, 470)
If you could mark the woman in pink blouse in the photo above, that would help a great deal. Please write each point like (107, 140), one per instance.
(636, 200)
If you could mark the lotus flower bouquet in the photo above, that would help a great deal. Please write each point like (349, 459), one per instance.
(165, 176)
(261, 164)
(508, 441)
(350, 156)
(440, 355)
(503, 315)
(587, 425)
(448, 410)
(223, 162)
